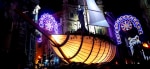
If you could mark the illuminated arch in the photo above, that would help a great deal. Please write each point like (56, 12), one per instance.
(125, 23)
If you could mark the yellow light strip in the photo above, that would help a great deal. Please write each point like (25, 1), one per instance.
(59, 38)
(100, 53)
(106, 51)
(94, 52)
(104, 54)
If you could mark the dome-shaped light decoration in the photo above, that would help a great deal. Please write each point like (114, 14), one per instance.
(48, 22)
(86, 49)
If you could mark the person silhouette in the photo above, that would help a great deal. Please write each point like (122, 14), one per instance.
(81, 17)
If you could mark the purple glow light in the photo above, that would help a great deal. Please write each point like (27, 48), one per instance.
(39, 40)
(48, 23)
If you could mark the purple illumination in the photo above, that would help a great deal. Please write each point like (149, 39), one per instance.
(125, 23)
(39, 40)
(48, 23)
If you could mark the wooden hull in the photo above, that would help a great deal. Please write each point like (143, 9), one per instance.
(86, 49)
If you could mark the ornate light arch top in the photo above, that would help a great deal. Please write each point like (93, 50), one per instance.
(125, 23)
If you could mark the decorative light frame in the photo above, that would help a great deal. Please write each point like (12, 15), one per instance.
(48, 22)
(122, 19)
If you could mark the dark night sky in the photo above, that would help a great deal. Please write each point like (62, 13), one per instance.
(51, 5)
(122, 6)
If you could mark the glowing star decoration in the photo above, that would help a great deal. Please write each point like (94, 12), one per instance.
(49, 23)
(125, 23)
